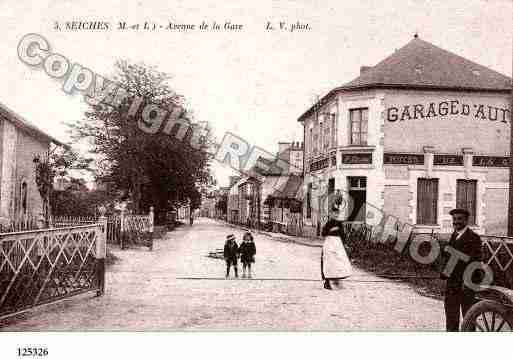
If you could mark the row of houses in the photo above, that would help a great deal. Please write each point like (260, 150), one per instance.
(421, 132)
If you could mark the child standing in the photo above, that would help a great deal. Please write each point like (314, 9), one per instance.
(230, 254)
(247, 252)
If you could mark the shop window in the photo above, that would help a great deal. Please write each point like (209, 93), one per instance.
(466, 194)
(358, 119)
(427, 201)
(309, 201)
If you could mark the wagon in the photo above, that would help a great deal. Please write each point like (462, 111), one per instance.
(494, 309)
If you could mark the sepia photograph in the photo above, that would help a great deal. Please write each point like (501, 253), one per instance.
(274, 166)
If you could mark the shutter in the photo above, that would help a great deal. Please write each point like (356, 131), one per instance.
(427, 201)
(466, 193)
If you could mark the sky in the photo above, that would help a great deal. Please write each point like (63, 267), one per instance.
(252, 82)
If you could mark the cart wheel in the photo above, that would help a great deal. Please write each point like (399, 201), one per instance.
(488, 316)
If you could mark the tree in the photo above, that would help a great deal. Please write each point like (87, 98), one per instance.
(156, 169)
(81, 202)
(57, 162)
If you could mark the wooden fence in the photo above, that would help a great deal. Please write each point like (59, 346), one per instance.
(46, 265)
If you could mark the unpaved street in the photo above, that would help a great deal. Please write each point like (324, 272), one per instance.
(145, 291)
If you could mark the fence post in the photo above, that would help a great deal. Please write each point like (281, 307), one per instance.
(101, 252)
(122, 227)
(151, 220)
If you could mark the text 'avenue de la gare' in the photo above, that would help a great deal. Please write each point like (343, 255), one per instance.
(448, 108)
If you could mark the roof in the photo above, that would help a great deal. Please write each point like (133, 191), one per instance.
(269, 167)
(290, 190)
(24, 124)
(422, 65)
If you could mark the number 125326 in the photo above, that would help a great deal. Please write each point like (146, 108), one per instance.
(32, 352)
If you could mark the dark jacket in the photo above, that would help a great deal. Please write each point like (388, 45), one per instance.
(470, 244)
(247, 251)
(230, 249)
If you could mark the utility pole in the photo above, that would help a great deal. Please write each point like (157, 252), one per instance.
(510, 199)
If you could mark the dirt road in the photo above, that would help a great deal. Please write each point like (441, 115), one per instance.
(146, 291)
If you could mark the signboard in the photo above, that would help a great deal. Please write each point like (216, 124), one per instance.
(490, 161)
(445, 109)
(357, 158)
(403, 159)
(319, 165)
(448, 160)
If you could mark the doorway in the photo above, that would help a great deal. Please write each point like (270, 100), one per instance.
(358, 195)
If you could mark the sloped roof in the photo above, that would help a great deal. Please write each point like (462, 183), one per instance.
(269, 168)
(24, 124)
(422, 65)
(290, 190)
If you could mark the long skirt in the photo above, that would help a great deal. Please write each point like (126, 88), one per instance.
(335, 263)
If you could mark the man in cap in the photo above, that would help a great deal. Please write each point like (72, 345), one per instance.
(230, 254)
(458, 296)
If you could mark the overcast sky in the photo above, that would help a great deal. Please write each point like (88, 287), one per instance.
(252, 82)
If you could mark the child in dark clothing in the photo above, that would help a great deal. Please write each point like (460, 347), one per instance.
(230, 254)
(247, 252)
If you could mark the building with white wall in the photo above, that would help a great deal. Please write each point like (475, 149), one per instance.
(20, 143)
(412, 137)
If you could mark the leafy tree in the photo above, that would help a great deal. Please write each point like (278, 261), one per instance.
(81, 202)
(156, 169)
(58, 162)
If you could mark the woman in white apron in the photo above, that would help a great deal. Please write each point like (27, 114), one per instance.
(335, 265)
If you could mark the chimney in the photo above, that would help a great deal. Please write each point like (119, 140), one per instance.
(364, 68)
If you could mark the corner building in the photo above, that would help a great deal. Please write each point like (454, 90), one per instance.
(412, 137)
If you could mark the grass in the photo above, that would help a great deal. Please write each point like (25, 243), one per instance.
(384, 261)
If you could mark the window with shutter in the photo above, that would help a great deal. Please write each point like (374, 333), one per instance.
(466, 194)
(427, 201)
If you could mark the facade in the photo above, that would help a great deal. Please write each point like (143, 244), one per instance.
(418, 134)
(265, 198)
(211, 205)
(20, 143)
(232, 207)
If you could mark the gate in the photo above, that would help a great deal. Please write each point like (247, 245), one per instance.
(43, 266)
(137, 230)
(498, 254)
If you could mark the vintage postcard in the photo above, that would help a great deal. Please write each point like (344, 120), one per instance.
(255, 166)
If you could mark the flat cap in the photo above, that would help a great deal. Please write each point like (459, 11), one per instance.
(459, 211)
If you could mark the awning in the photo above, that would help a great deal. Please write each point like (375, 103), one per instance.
(291, 191)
